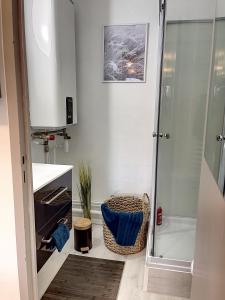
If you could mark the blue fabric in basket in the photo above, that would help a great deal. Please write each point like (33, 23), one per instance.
(123, 225)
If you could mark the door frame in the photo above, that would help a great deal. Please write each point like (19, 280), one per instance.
(15, 97)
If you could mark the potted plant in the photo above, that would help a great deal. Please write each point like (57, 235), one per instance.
(84, 189)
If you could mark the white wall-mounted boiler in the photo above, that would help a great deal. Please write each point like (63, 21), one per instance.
(51, 64)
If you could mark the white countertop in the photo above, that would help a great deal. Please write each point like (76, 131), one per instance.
(46, 173)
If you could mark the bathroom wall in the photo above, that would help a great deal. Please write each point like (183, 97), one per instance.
(209, 259)
(220, 9)
(190, 9)
(115, 120)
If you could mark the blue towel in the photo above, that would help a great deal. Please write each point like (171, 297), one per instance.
(123, 225)
(60, 236)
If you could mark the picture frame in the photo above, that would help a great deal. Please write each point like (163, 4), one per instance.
(125, 48)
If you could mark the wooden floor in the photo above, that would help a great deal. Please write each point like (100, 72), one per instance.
(83, 277)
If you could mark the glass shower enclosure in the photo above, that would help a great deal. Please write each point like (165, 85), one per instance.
(180, 129)
(215, 130)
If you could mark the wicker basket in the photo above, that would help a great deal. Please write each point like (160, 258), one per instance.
(128, 203)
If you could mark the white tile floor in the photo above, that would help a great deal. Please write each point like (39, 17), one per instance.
(175, 238)
(132, 279)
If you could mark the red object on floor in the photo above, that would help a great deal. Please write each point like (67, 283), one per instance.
(159, 216)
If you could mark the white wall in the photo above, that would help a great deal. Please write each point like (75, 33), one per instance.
(220, 11)
(115, 121)
(190, 9)
(209, 266)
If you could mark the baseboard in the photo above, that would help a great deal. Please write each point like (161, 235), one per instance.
(168, 282)
(95, 205)
(180, 220)
(96, 215)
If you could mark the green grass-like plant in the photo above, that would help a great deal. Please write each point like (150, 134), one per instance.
(84, 189)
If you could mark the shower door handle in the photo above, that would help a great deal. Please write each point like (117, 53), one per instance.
(155, 134)
(166, 136)
(220, 138)
(161, 135)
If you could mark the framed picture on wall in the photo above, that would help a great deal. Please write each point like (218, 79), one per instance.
(125, 53)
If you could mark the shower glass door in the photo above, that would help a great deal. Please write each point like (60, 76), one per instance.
(215, 131)
(184, 88)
